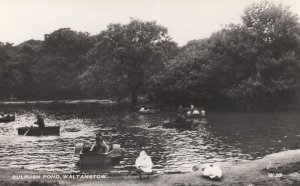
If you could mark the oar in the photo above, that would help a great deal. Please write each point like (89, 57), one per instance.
(26, 132)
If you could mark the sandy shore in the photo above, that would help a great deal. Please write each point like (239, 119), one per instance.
(256, 172)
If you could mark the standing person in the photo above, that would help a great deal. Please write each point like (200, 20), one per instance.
(40, 121)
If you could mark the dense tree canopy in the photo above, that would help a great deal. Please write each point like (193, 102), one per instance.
(59, 63)
(255, 61)
(126, 56)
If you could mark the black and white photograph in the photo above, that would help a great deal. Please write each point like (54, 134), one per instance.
(150, 92)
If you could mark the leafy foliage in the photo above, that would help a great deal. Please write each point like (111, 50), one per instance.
(125, 56)
(256, 60)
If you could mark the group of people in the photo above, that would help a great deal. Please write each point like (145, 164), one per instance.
(144, 163)
(3, 116)
(184, 113)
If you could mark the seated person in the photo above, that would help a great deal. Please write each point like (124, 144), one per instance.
(144, 110)
(144, 163)
(40, 121)
(202, 112)
(211, 171)
(99, 146)
(196, 112)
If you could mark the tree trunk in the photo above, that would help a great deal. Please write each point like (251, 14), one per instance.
(134, 94)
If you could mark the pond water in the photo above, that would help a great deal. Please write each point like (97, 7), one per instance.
(226, 136)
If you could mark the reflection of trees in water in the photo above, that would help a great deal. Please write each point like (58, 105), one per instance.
(224, 137)
(257, 134)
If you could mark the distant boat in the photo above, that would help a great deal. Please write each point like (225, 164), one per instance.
(36, 131)
(189, 123)
(148, 111)
(7, 119)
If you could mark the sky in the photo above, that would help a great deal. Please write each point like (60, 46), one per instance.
(186, 20)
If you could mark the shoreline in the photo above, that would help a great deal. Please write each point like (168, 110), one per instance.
(78, 101)
(253, 172)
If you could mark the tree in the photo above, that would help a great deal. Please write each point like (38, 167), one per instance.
(130, 54)
(61, 60)
(253, 61)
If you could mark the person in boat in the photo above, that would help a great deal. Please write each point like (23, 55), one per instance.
(180, 114)
(144, 163)
(202, 112)
(143, 110)
(190, 110)
(192, 107)
(40, 121)
(180, 109)
(99, 146)
(196, 112)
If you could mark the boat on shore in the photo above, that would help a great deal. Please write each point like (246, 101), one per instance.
(89, 159)
(7, 119)
(36, 131)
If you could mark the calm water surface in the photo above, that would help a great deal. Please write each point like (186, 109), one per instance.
(226, 136)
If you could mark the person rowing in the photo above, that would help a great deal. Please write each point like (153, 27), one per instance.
(40, 121)
(99, 146)
(180, 114)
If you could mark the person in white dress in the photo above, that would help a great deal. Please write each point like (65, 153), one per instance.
(144, 163)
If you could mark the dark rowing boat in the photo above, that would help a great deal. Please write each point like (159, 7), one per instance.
(189, 123)
(36, 131)
(7, 119)
(89, 159)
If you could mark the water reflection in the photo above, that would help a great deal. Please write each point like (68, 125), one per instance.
(225, 137)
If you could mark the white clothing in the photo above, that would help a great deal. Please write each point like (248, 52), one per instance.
(211, 171)
(196, 112)
(144, 162)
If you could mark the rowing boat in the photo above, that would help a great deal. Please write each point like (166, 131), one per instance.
(89, 159)
(187, 124)
(148, 111)
(37, 131)
(7, 119)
